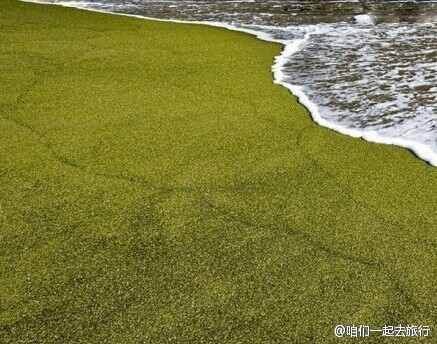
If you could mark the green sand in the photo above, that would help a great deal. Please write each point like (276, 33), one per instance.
(157, 187)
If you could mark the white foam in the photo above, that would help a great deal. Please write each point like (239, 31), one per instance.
(290, 47)
(364, 19)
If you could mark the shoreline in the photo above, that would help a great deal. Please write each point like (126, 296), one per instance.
(420, 150)
(158, 187)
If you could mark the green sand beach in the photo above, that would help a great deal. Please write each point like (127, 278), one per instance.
(157, 187)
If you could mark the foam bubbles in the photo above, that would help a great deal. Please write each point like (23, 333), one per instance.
(377, 82)
(364, 19)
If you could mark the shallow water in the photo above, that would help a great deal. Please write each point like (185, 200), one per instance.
(367, 70)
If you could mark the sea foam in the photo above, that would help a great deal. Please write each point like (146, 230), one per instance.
(364, 19)
(423, 143)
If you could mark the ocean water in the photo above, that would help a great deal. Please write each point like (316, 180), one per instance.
(365, 69)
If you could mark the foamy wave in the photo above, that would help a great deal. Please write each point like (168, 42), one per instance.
(364, 19)
(280, 69)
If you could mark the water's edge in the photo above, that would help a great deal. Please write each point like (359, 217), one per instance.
(290, 47)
